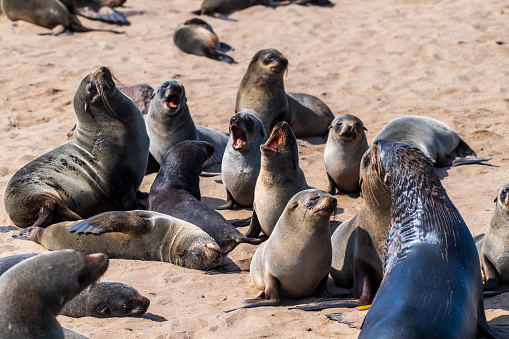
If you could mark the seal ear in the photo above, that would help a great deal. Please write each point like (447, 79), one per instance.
(386, 178)
(364, 128)
(330, 126)
(106, 310)
(153, 95)
(496, 199)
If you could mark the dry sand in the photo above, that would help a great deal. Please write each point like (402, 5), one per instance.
(374, 59)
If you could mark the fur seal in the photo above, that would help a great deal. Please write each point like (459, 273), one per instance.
(493, 246)
(99, 169)
(262, 92)
(344, 149)
(139, 235)
(169, 122)
(35, 290)
(195, 36)
(279, 180)
(61, 13)
(176, 192)
(435, 139)
(222, 8)
(11, 260)
(432, 286)
(297, 256)
(241, 159)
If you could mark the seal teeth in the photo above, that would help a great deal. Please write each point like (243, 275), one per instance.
(172, 101)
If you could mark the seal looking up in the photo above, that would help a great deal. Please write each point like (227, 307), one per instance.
(262, 92)
(241, 159)
(344, 149)
(100, 169)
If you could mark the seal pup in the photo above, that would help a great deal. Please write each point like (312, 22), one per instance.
(195, 36)
(432, 286)
(176, 192)
(435, 139)
(222, 8)
(493, 246)
(241, 159)
(139, 235)
(35, 290)
(169, 122)
(279, 180)
(297, 256)
(100, 169)
(346, 144)
(262, 92)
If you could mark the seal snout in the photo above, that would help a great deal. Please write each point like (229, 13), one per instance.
(277, 137)
(141, 307)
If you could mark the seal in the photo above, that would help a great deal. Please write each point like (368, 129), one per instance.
(100, 169)
(195, 36)
(11, 260)
(493, 246)
(221, 8)
(176, 192)
(241, 159)
(169, 122)
(297, 256)
(60, 14)
(262, 92)
(139, 235)
(430, 258)
(435, 139)
(346, 144)
(35, 290)
(279, 180)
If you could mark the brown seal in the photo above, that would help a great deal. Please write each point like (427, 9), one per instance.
(344, 149)
(100, 169)
(35, 290)
(279, 180)
(195, 36)
(262, 92)
(139, 235)
(222, 8)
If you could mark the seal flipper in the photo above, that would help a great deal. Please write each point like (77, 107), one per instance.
(269, 297)
(224, 47)
(463, 154)
(254, 228)
(102, 13)
(137, 222)
(490, 274)
(48, 210)
(229, 204)
(332, 185)
(218, 55)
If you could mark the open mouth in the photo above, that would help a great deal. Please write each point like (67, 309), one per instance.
(276, 140)
(239, 138)
(172, 101)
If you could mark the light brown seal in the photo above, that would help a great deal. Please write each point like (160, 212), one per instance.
(35, 290)
(346, 144)
(262, 92)
(139, 235)
(100, 169)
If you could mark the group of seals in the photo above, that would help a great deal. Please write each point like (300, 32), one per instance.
(35, 290)
(195, 36)
(262, 92)
(169, 122)
(176, 192)
(99, 169)
(140, 235)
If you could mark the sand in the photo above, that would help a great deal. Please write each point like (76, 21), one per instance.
(375, 59)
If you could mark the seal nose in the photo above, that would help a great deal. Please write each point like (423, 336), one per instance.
(233, 120)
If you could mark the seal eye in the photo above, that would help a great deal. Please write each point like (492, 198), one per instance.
(294, 206)
(268, 59)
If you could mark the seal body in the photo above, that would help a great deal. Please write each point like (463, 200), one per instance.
(262, 92)
(11, 260)
(212, 7)
(140, 235)
(169, 122)
(279, 180)
(344, 149)
(297, 256)
(493, 246)
(242, 158)
(435, 139)
(35, 290)
(99, 169)
(430, 260)
(195, 36)
(176, 192)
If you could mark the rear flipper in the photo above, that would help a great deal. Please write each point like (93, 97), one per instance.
(463, 154)
(102, 13)
(218, 55)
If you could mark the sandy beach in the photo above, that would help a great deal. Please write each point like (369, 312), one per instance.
(377, 60)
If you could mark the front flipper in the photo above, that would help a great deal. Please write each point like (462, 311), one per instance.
(255, 228)
(490, 274)
(230, 202)
(269, 297)
(102, 13)
(136, 222)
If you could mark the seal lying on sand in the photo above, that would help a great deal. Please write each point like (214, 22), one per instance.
(195, 36)
(140, 235)
(344, 149)
(100, 169)
(241, 159)
(176, 192)
(223, 7)
(493, 247)
(435, 139)
(262, 92)
(432, 285)
(35, 290)
(279, 180)
(169, 122)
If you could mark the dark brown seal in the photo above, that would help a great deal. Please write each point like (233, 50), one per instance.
(100, 169)
(222, 8)
(35, 290)
(262, 92)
